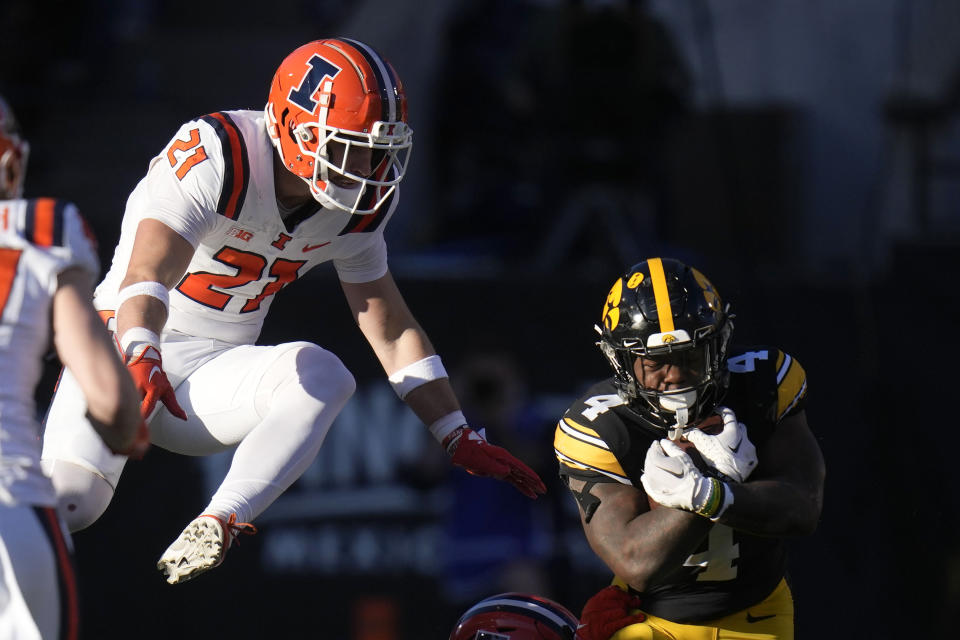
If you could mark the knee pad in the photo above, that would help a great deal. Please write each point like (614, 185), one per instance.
(82, 495)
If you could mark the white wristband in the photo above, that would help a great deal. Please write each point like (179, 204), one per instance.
(136, 336)
(148, 288)
(415, 374)
(727, 501)
(446, 425)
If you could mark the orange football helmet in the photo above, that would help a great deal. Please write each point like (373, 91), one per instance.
(516, 616)
(340, 92)
(13, 154)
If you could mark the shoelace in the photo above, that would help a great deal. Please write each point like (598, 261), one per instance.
(232, 529)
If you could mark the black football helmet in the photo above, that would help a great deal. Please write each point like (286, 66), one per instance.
(665, 311)
(516, 616)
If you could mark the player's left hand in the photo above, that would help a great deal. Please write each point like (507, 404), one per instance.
(730, 452)
(606, 612)
(671, 478)
(470, 450)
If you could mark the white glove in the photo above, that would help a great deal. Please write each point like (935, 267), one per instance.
(671, 479)
(730, 452)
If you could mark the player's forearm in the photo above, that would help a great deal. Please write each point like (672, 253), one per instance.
(639, 544)
(773, 508)
(85, 348)
(159, 259)
(141, 311)
(113, 409)
(656, 543)
(433, 400)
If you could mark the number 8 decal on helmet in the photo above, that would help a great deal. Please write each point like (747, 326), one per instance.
(337, 115)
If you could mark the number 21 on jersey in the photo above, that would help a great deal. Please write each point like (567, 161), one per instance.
(191, 153)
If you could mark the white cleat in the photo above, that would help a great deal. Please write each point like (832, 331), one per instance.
(201, 547)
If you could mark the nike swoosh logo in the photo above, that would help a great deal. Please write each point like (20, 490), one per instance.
(153, 372)
(311, 247)
(737, 448)
(752, 619)
(671, 472)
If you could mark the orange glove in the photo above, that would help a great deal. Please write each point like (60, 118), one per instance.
(606, 612)
(470, 450)
(146, 369)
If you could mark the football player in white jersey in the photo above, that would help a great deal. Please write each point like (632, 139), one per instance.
(48, 264)
(238, 205)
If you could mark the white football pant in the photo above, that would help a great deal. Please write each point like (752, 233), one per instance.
(275, 404)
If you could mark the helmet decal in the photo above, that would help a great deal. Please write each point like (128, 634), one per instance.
(611, 310)
(711, 295)
(635, 279)
(317, 69)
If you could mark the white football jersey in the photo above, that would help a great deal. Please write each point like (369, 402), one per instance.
(213, 184)
(38, 240)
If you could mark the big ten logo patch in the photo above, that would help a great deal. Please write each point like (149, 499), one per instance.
(241, 234)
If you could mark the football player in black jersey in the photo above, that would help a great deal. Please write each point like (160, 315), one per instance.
(690, 466)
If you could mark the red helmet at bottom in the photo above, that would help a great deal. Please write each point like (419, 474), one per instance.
(516, 616)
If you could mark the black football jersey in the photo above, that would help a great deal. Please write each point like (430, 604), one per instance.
(599, 439)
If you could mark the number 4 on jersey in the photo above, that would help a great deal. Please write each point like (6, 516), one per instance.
(600, 404)
(746, 362)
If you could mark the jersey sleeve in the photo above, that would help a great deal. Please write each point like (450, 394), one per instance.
(592, 442)
(184, 182)
(583, 453)
(791, 386)
(367, 262)
(80, 242)
(56, 229)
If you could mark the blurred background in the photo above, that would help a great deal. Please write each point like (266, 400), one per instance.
(804, 155)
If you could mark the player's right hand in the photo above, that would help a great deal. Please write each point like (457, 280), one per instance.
(146, 369)
(672, 479)
(606, 612)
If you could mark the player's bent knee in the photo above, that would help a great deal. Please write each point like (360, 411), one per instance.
(323, 375)
(82, 495)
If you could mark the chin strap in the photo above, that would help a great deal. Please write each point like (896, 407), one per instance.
(683, 416)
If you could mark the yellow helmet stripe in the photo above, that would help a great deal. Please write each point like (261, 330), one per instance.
(660, 294)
